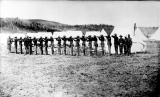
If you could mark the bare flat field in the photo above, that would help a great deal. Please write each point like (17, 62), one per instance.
(71, 76)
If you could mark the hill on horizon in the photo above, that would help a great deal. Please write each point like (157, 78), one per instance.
(36, 25)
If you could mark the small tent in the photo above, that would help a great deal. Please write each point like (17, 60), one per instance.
(137, 46)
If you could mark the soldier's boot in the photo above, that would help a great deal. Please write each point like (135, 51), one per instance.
(90, 51)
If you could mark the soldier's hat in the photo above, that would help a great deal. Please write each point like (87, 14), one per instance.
(15, 37)
(20, 37)
(77, 36)
(64, 36)
(58, 36)
(51, 37)
(120, 36)
(70, 36)
(94, 36)
(115, 34)
(46, 37)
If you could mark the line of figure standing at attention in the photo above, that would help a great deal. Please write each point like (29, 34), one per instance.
(124, 44)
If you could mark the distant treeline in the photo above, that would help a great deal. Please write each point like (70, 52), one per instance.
(44, 25)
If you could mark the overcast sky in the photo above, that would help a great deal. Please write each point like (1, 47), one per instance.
(116, 13)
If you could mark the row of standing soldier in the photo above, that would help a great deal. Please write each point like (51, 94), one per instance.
(123, 44)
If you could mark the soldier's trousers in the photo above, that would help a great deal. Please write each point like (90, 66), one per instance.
(116, 49)
(46, 50)
(16, 49)
(102, 45)
(109, 49)
(9, 47)
(90, 50)
(125, 49)
(77, 51)
(65, 50)
(84, 52)
(121, 49)
(59, 49)
(72, 50)
(21, 49)
(35, 50)
(129, 50)
(30, 49)
(41, 49)
(26, 49)
(96, 48)
(52, 49)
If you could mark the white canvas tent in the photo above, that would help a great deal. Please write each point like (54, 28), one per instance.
(138, 44)
(140, 35)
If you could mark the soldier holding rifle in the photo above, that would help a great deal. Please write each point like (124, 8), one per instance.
(9, 44)
(77, 39)
(52, 44)
(64, 43)
(89, 39)
(41, 44)
(59, 44)
(95, 43)
(20, 44)
(101, 38)
(70, 39)
(35, 44)
(46, 45)
(84, 39)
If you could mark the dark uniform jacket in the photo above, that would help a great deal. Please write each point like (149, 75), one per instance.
(89, 39)
(129, 41)
(84, 39)
(109, 40)
(59, 41)
(20, 41)
(95, 41)
(116, 41)
(46, 41)
(35, 41)
(121, 41)
(52, 41)
(70, 39)
(77, 39)
(64, 41)
(41, 41)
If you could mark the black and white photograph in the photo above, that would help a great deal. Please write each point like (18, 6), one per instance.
(66, 48)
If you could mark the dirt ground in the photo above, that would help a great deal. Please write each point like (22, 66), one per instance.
(70, 76)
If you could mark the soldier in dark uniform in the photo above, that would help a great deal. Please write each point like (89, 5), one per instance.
(30, 45)
(25, 45)
(129, 45)
(15, 44)
(46, 45)
(89, 39)
(109, 43)
(41, 45)
(70, 39)
(95, 43)
(121, 44)
(35, 44)
(77, 39)
(20, 44)
(64, 43)
(116, 43)
(125, 45)
(9, 44)
(84, 39)
(102, 39)
(59, 44)
(52, 44)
